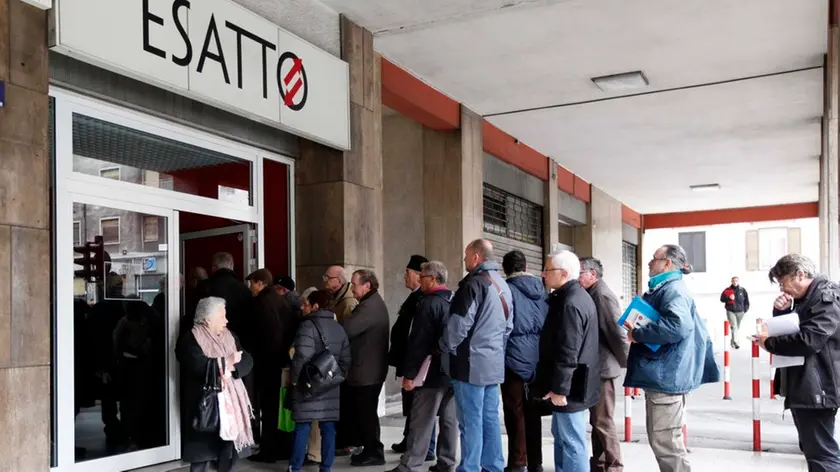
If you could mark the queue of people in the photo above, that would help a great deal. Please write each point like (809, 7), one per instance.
(546, 346)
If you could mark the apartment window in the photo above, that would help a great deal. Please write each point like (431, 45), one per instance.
(110, 173)
(150, 229)
(765, 246)
(109, 228)
(77, 233)
(512, 217)
(694, 244)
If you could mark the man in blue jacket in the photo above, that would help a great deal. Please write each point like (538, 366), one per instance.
(684, 361)
(522, 416)
(473, 354)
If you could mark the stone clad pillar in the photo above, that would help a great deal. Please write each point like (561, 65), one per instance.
(339, 194)
(25, 258)
(828, 196)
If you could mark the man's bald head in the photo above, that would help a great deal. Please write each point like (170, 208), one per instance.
(477, 252)
(334, 278)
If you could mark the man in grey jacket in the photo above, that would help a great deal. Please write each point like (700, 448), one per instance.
(613, 348)
(473, 354)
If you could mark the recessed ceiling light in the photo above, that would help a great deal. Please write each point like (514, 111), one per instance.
(705, 187)
(619, 82)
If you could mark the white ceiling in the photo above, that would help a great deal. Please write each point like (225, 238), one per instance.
(757, 136)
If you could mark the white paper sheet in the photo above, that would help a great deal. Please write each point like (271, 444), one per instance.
(781, 326)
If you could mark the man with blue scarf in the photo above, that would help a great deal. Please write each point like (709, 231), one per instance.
(684, 361)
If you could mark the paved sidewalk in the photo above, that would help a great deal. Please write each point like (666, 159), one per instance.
(638, 458)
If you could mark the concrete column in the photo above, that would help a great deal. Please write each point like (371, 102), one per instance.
(829, 188)
(602, 236)
(453, 176)
(551, 208)
(339, 194)
(24, 240)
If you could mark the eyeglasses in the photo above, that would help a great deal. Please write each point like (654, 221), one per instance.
(425, 276)
(327, 278)
(550, 270)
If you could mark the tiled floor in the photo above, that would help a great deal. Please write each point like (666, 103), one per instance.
(638, 458)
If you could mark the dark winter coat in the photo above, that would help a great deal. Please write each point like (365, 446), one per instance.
(817, 383)
(224, 283)
(426, 331)
(275, 329)
(612, 338)
(195, 446)
(399, 333)
(324, 406)
(569, 350)
(741, 303)
(530, 307)
(368, 328)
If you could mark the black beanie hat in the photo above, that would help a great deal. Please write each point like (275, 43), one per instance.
(416, 262)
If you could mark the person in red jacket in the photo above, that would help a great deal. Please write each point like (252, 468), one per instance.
(737, 302)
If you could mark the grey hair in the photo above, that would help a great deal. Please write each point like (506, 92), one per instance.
(590, 263)
(306, 293)
(677, 256)
(791, 265)
(207, 307)
(567, 261)
(223, 260)
(435, 269)
(483, 248)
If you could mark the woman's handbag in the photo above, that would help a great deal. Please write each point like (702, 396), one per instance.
(322, 372)
(206, 419)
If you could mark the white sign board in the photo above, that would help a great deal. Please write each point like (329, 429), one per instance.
(217, 52)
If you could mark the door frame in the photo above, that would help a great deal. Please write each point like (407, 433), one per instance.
(70, 187)
(247, 242)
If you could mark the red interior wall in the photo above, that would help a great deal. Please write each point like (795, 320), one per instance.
(276, 207)
(199, 252)
(205, 181)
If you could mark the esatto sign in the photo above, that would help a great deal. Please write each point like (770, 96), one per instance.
(217, 52)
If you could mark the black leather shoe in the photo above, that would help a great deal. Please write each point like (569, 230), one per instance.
(262, 459)
(536, 468)
(430, 458)
(516, 469)
(399, 447)
(434, 468)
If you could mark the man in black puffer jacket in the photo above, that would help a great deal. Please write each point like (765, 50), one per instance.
(433, 394)
(811, 391)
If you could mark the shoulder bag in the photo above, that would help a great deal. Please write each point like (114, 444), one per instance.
(322, 372)
(206, 419)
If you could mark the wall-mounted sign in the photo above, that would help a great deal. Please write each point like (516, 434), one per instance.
(217, 52)
(149, 264)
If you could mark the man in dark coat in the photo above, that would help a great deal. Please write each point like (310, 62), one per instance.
(432, 390)
(568, 373)
(275, 325)
(523, 422)
(812, 390)
(737, 302)
(224, 283)
(399, 341)
(613, 348)
(367, 328)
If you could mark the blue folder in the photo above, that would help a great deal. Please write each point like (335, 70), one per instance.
(637, 311)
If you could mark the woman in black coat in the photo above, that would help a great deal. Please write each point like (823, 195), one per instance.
(318, 321)
(202, 448)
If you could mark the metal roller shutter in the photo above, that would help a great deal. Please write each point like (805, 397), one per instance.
(511, 222)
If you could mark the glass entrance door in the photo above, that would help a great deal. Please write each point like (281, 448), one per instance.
(117, 314)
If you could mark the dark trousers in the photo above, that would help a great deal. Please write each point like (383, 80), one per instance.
(606, 450)
(346, 435)
(522, 423)
(225, 464)
(816, 437)
(364, 402)
(268, 386)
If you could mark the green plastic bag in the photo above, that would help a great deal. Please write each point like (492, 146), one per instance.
(284, 419)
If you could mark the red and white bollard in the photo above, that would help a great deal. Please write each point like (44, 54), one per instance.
(628, 414)
(756, 391)
(727, 374)
(772, 379)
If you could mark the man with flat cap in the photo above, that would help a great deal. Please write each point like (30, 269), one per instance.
(399, 341)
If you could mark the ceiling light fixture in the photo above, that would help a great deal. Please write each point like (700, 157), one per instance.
(620, 82)
(705, 187)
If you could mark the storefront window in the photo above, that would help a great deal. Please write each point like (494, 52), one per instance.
(112, 151)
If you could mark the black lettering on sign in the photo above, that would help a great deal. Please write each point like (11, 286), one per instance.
(213, 32)
(182, 61)
(266, 45)
(147, 17)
